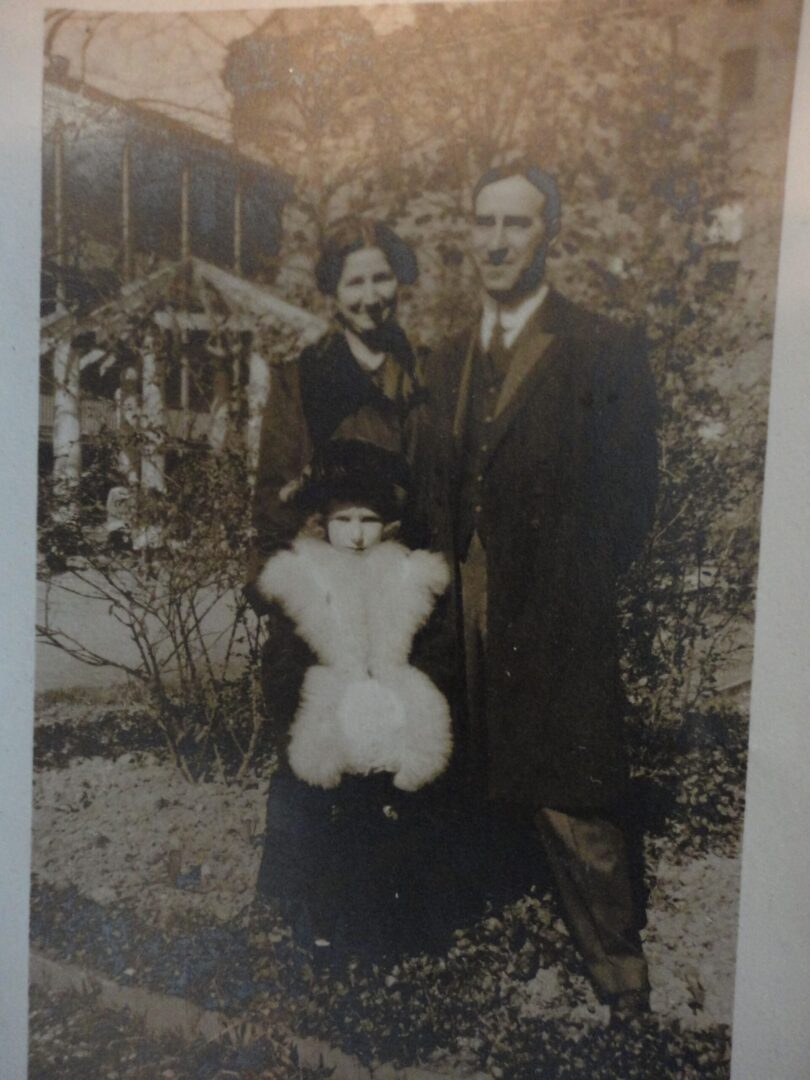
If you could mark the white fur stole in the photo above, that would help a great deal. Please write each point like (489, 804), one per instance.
(363, 707)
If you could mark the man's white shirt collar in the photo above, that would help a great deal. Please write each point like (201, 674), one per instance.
(512, 320)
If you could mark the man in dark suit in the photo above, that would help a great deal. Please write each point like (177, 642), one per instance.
(541, 479)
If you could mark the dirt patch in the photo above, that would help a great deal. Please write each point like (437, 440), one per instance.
(135, 834)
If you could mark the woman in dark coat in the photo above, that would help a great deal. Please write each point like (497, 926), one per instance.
(357, 385)
(359, 381)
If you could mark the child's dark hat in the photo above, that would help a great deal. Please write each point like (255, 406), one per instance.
(352, 471)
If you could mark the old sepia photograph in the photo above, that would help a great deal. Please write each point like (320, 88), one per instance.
(403, 401)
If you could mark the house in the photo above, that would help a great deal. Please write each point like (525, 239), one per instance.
(158, 246)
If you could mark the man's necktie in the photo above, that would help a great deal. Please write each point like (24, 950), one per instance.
(498, 352)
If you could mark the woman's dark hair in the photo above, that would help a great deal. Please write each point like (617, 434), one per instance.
(353, 233)
(357, 472)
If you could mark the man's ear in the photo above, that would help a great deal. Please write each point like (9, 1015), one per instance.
(391, 530)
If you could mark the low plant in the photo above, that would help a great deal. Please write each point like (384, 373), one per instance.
(172, 578)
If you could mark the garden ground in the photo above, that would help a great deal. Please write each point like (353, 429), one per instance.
(148, 879)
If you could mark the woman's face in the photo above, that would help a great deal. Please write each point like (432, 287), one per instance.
(366, 292)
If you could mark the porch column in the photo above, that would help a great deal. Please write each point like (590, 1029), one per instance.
(219, 419)
(67, 435)
(59, 209)
(126, 397)
(185, 234)
(126, 212)
(153, 415)
(237, 228)
(258, 390)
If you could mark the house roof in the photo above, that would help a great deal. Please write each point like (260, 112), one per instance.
(166, 158)
(193, 294)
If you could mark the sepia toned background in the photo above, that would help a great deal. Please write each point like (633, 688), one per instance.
(228, 144)
(598, 286)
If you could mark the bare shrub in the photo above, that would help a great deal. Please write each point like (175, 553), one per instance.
(173, 580)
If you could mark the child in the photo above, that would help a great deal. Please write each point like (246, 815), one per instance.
(357, 598)
(347, 822)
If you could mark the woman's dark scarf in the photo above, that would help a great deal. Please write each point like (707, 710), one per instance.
(334, 386)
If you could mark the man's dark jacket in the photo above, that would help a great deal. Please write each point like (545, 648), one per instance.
(566, 499)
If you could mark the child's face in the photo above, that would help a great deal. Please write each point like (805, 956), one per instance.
(353, 528)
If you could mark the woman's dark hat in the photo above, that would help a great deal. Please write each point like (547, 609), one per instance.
(351, 471)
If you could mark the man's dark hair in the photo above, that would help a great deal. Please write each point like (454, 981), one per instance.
(353, 233)
(539, 178)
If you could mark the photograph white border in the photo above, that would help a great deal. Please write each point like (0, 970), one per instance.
(773, 971)
(769, 1037)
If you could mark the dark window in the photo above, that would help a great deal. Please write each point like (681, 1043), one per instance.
(46, 374)
(201, 373)
(172, 386)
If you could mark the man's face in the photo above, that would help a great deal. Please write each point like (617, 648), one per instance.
(508, 229)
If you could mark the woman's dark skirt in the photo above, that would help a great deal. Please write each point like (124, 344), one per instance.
(381, 873)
